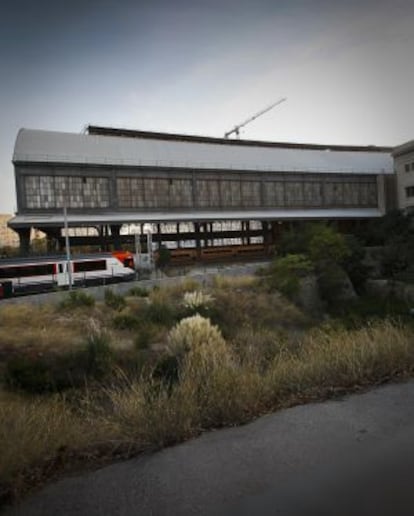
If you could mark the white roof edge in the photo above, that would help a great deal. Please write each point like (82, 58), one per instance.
(126, 218)
(41, 146)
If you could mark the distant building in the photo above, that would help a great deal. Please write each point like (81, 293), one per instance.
(404, 169)
(109, 178)
(8, 237)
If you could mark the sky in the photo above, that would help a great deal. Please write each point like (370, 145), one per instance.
(203, 66)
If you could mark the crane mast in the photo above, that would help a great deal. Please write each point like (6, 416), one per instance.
(236, 129)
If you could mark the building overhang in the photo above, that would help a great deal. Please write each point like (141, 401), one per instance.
(115, 218)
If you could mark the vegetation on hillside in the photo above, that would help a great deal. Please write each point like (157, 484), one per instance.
(85, 382)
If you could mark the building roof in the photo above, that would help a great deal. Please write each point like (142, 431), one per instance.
(76, 220)
(144, 149)
(405, 148)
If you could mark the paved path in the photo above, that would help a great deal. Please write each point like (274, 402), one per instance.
(349, 457)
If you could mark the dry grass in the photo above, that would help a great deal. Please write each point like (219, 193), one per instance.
(33, 430)
(215, 388)
(236, 309)
(40, 327)
(258, 366)
(235, 282)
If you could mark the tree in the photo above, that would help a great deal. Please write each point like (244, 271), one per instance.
(327, 245)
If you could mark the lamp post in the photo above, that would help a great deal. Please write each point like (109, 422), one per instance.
(67, 244)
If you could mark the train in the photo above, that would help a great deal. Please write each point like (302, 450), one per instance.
(23, 276)
(41, 274)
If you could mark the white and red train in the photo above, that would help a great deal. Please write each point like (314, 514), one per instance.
(40, 274)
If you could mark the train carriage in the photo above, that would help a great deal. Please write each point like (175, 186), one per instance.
(34, 275)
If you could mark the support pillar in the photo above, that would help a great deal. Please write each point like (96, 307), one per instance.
(115, 232)
(52, 241)
(159, 235)
(178, 232)
(197, 238)
(24, 238)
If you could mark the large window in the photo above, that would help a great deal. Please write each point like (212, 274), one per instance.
(230, 193)
(274, 194)
(409, 191)
(208, 194)
(250, 191)
(45, 192)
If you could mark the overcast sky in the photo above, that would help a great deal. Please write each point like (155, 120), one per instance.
(200, 67)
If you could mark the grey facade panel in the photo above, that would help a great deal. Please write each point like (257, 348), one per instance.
(56, 147)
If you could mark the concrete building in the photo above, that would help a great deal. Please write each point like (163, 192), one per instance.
(404, 169)
(111, 177)
(8, 237)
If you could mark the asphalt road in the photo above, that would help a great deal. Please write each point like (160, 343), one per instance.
(347, 457)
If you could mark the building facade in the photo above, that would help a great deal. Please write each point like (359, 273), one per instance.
(111, 177)
(404, 169)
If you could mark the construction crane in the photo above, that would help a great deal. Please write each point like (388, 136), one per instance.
(237, 128)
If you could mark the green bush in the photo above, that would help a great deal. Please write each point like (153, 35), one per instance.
(76, 299)
(354, 263)
(138, 292)
(285, 273)
(326, 245)
(143, 338)
(167, 369)
(164, 257)
(98, 354)
(369, 308)
(113, 300)
(162, 313)
(28, 374)
(125, 321)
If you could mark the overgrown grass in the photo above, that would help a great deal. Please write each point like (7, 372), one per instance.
(77, 299)
(216, 385)
(37, 430)
(252, 352)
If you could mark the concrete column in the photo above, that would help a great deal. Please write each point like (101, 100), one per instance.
(177, 229)
(24, 238)
(115, 232)
(197, 237)
(159, 236)
(52, 241)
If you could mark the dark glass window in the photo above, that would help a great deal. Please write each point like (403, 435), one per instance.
(89, 265)
(409, 191)
(23, 271)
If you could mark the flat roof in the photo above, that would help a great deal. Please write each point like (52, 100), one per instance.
(405, 148)
(77, 220)
(133, 133)
(157, 150)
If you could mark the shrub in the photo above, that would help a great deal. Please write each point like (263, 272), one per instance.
(99, 356)
(161, 313)
(125, 320)
(353, 265)
(76, 299)
(143, 338)
(28, 374)
(327, 245)
(197, 302)
(193, 333)
(113, 300)
(138, 292)
(164, 257)
(286, 272)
